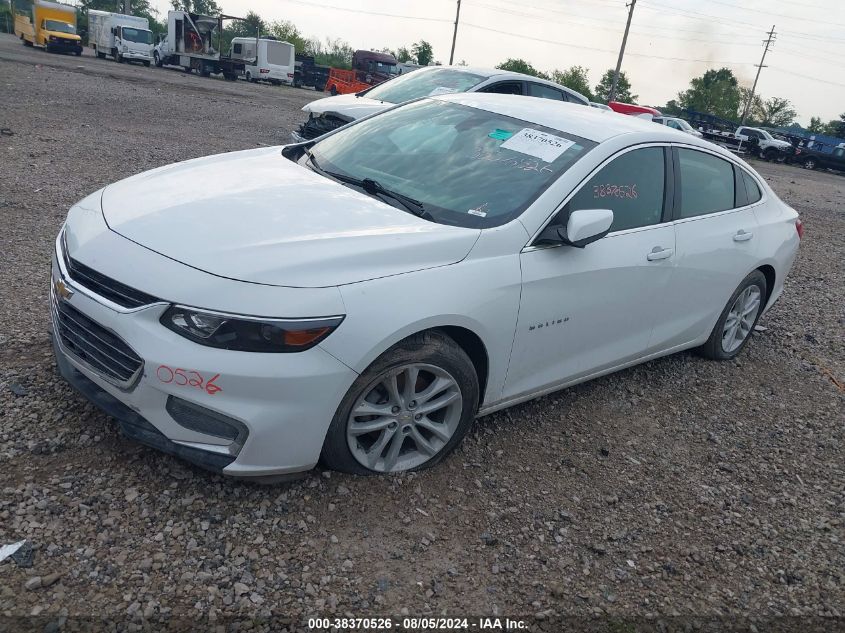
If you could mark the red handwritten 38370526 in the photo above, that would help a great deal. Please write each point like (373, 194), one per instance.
(187, 378)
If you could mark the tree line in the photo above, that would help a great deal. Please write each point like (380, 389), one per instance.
(716, 92)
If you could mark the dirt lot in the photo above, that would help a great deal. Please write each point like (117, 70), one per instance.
(678, 488)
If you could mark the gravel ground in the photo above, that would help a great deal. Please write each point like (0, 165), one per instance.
(678, 488)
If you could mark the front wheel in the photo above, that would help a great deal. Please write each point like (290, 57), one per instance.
(737, 321)
(809, 163)
(157, 60)
(407, 411)
(334, 91)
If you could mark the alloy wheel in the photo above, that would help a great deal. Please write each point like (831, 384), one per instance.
(404, 418)
(741, 318)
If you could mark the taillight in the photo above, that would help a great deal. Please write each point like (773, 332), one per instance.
(799, 226)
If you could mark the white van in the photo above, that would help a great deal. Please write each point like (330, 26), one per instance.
(266, 59)
(124, 37)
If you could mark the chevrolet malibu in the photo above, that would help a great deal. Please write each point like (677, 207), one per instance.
(359, 299)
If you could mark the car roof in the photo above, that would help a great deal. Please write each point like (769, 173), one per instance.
(500, 74)
(589, 123)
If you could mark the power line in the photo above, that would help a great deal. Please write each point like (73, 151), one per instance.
(602, 50)
(637, 31)
(781, 15)
(804, 76)
(387, 15)
(768, 42)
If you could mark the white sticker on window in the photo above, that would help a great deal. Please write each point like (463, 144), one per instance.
(442, 90)
(546, 147)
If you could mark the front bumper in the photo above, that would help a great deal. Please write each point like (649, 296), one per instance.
(63, 46)
(135, 56)
(284, 402)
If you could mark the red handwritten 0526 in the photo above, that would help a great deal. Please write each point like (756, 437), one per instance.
(187, 378)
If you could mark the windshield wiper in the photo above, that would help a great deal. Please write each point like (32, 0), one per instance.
(375, 188)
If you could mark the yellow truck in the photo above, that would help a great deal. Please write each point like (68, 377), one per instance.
(48, 25)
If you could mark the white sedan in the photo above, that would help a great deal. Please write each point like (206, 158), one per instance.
(358, 300)
(330, 113)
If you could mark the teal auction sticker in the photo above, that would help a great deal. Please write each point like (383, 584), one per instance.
(500, 135)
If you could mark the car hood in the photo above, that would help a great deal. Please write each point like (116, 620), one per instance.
(349, 106)
(256, 216)
(65, 36)
(778, 143)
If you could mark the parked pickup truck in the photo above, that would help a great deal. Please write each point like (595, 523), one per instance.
(49, 25)
(751, 140)
(814, 159)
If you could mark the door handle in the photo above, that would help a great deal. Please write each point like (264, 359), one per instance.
(658, 252)
(742, 236)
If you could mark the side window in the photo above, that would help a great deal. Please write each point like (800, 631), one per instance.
(544, 92)
(239, 49)
(751, 187)
(631, 186)
(839, 152)
(707, 183)
(505, 88)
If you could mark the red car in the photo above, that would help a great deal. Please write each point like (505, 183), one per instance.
(630, 108)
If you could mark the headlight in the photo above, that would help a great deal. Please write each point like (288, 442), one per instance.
(246, 333)
(125, 48)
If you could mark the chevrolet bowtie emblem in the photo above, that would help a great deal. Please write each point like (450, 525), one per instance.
(62, 290)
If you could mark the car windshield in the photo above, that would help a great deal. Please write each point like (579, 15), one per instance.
(137, 35)
(684, 125)
(767, 136)
(468, 167)
(424, 83)
(59, 27)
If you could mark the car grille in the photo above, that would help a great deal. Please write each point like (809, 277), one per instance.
(317, 126)
(103, 351)
(106, 287)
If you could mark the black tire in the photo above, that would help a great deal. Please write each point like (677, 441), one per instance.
(157, 60)
(146, 64)
(809, 163)
(334, 91)
(713, 348)
(433, 348)
(79, 53)
(770, 154)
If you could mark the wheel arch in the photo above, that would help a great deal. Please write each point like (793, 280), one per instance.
(464, 331)
(771, 277)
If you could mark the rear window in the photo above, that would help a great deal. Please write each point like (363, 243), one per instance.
(751, 188)
(425, 83)
(707, 184)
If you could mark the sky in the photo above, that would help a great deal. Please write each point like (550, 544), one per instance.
(671, 41)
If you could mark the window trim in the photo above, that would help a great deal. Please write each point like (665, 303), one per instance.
(730, 160)
(668, 196)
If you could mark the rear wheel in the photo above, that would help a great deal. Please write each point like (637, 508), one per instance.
(334, 91)
(147, 64)
(737, 321)
(407, 411)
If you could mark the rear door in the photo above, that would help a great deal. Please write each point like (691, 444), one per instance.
(716, 244)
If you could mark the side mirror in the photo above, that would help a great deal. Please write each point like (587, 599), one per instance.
(586, 226)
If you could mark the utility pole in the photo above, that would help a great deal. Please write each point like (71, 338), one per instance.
(455, 34)
(126, 8)
(612, 94)
(768, 42)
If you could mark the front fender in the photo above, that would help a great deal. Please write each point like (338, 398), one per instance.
(480, 295)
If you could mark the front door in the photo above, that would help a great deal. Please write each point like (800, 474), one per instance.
(586, 310)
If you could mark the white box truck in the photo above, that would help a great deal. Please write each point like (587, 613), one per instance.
(265, 59)
(127, 38)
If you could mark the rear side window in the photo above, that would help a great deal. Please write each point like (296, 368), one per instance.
(505, 88)
(545, 92)
(707, 184)
(751, 187)
(631, 186)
